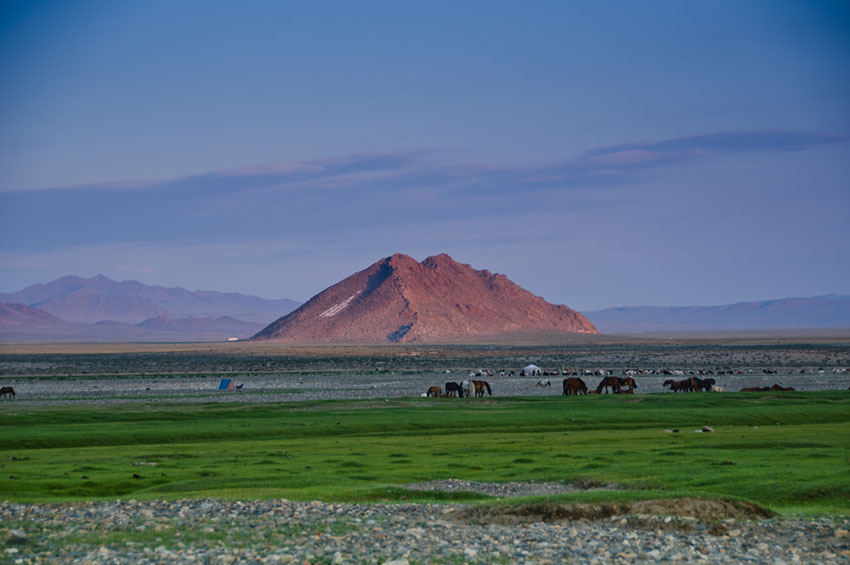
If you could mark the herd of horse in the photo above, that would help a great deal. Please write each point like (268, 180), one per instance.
(616, 385)
(571, 386)
(468, 388)
(691, 384)
(610, 384)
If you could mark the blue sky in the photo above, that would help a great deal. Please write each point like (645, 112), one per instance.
(597, 153)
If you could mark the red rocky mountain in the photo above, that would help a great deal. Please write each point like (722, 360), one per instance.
(399, 299)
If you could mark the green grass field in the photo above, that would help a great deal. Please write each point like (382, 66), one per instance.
(787, 451)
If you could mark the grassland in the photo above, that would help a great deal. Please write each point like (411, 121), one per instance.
(789, 452)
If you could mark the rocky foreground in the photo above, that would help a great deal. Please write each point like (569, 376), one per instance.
(281, 531)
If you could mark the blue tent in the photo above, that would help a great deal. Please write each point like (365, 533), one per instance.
(225, 384)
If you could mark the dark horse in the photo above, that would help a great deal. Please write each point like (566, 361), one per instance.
(679, 386)
(574, 385)
(628, 384)
(453, 389)
(706, 384)
(612, 382)
(7, 391)
(480, 386)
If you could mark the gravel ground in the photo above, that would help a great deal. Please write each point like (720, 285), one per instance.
(280, 531)
(287, 388)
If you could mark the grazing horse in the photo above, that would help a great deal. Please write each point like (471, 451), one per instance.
(697, 384)
(627, 383)
(453, 389)
(707, 384)
(679, 386)
(466, 388)
(480, 386)
(612, 382)
(542, 382)
(7, 391)
(434, 391)
(574, 385)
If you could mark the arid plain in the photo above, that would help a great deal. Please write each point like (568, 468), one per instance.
(273, 372)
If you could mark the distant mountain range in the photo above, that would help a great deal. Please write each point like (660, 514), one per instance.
(100, 309)
(819, 312)
(437, 299)
(96, 299)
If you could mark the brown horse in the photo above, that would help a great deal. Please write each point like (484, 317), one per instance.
(612, 382)
(480, 386)
(574, 385)
(7, 391)
(698, 384)
(628, 384)
(679, 386)
(434, 391)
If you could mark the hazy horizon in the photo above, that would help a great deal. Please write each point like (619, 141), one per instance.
(598, 155)
(768, 299)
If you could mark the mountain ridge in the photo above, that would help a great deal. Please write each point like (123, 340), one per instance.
(149, 321)
(99, 298)
(817, 312)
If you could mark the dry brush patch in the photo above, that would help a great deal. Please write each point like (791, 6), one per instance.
(700, 509)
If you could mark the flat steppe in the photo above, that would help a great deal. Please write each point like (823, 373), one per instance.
(191, 372)
(228, 530)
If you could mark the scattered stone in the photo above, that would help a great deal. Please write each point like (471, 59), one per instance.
(275, 531)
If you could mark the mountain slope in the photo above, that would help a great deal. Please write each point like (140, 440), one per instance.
(400, 300)
(21, 323)
(23, 316)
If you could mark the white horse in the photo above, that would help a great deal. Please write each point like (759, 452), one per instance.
(467, 388)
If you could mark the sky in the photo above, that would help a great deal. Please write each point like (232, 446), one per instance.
(599, 154)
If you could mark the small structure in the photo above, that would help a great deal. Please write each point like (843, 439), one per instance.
(531, 371)
(226, 384)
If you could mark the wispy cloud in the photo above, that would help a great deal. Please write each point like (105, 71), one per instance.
(652, 154)
(340, 194)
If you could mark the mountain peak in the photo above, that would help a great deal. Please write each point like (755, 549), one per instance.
(439, 299)
(402, 261)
